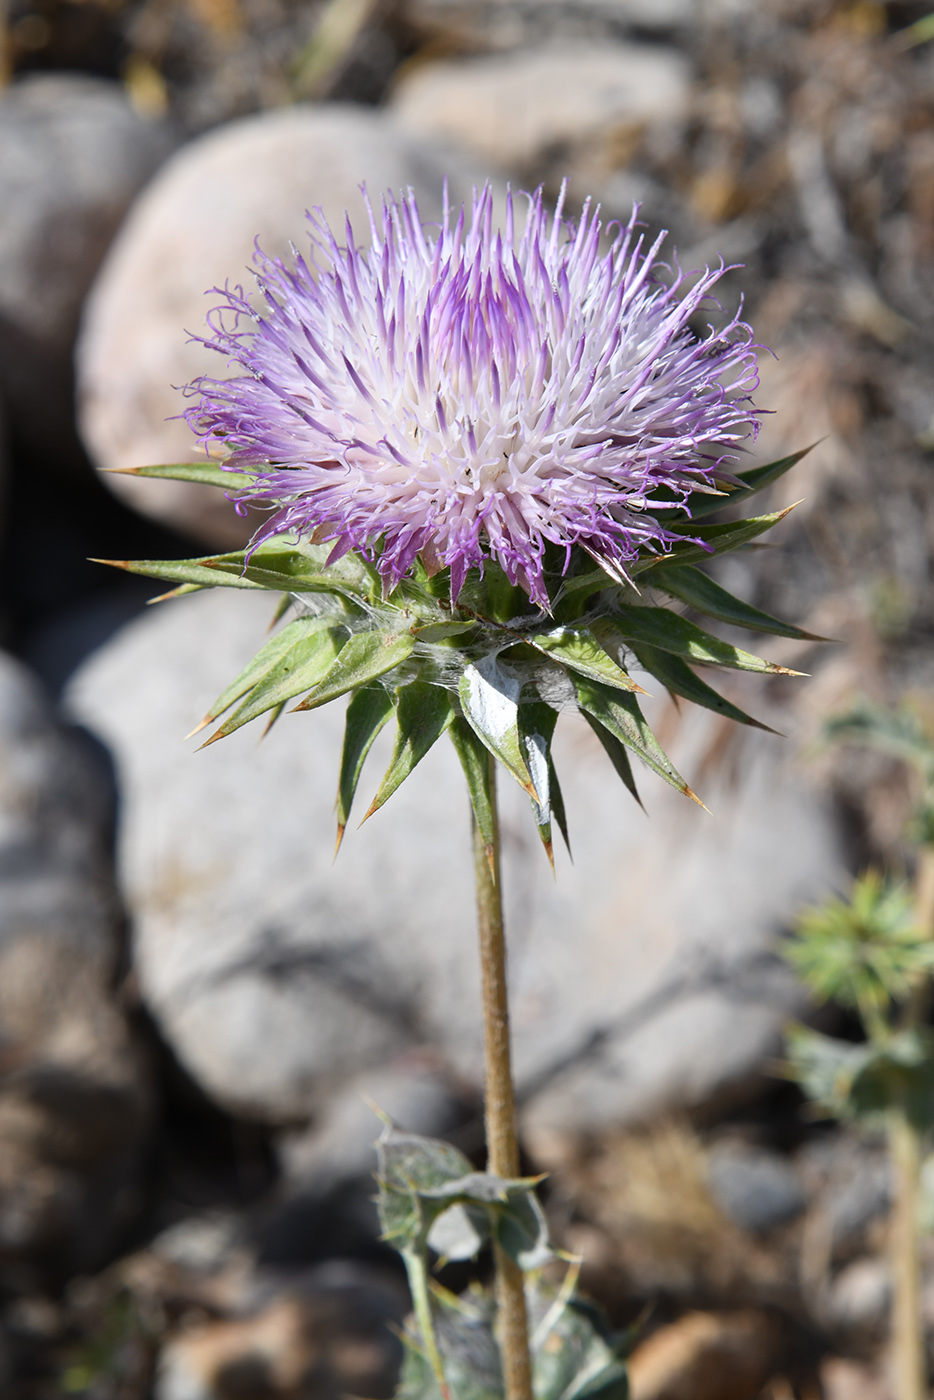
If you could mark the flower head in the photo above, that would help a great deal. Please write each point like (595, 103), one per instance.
(455, 393)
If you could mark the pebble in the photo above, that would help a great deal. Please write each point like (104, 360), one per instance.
(705, 1356)
(325, 1333)
(757, 1189)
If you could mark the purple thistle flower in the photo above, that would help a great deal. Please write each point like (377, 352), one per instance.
(456, 393)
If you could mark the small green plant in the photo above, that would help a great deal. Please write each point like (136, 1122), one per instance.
(432, 1201)
(874, 954)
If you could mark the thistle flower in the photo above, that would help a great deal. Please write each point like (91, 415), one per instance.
(447, 429)
(459, 393)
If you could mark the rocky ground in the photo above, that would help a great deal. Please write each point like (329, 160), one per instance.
(195, 1004)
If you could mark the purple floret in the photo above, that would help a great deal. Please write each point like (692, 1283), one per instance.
(460, 392)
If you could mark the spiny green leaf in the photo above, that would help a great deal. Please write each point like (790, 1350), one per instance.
(616, 752)
(677, 676)
(522, 1231)
(299, 568)
(475, 760)
(557, 804)
(895, 731)
(578, 649)
(279, 565)
(489, 696)
(423, 713)
(369, 709)
(536, 727)
(261, 664)
(715, 539)
(620, 714)
(753, 480)
(407, 1167)
(199, 473)
(659, 627)
(306, 662)
(365, 657)
(182, 571)
(697, 589)
(178, 592)
(868, 1080)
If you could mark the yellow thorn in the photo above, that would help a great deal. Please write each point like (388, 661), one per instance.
(694, 798)
(208, 719)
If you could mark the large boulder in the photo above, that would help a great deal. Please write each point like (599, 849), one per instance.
(643, 979)
(73, 153)
(194, 229)
(74, 1095)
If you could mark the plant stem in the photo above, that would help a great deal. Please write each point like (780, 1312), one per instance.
(908, 1360)
(502, 1139)
(421, 1302)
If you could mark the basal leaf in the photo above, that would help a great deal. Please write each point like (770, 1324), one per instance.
(407, 1168)
(423, 713)
(199, 473)
(692, 586)
(307, 661)
(522, 1231)
(476, 762)
(659, 627)
(369, 709)
(677, 676)
(577, 648)
(365, 657)
(489, 696)
(620, 714)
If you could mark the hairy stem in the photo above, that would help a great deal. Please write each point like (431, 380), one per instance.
(502, 1138)
(908, 1360)
(909, 1363)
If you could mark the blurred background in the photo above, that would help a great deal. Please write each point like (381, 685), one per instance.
(193, 1000)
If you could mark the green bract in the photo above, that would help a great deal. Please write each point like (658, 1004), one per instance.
(492, 670)
(864, 952)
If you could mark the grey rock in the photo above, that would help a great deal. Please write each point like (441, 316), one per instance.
(514, 110)
(756, 1188)
(74, 1097)
(643, 980)
(194, 229)
(73, 154)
